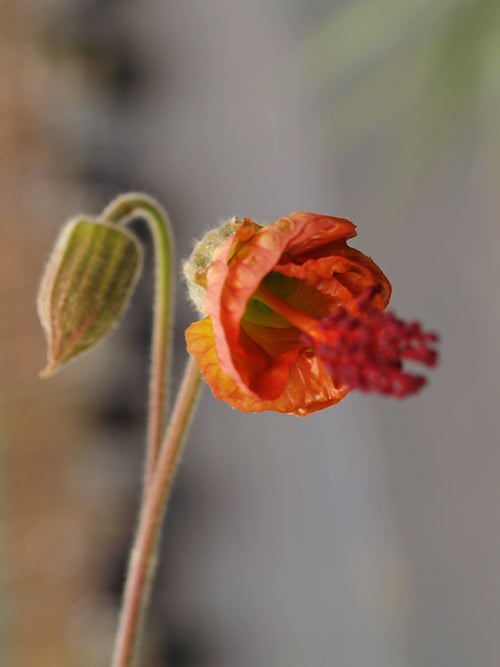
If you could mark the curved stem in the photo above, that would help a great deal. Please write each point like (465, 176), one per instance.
(120, 211)
(143, 557)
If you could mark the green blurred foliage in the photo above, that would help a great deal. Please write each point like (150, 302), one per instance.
(415, 75)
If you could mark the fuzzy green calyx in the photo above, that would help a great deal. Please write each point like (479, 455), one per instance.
(196, 267)
(86, 287)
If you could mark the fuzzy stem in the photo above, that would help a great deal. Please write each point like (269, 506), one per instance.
(121, 211)
(143, 556)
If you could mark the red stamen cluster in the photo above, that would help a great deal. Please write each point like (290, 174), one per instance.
(366, 350)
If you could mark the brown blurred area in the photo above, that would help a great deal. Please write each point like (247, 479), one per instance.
(43, 521)
(55, 527)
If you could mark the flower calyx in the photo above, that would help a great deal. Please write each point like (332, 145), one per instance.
(195, 268)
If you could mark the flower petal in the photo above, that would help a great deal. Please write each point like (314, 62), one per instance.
(248, 351)
(312, 231)
(239, 265)
(308, 386)
(343, 274)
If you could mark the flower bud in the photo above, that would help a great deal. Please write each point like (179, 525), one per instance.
(86, 287)
(196, 267)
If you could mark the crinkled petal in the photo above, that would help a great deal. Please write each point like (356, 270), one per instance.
(313, 230)
(342, 275)
(239, 266)
(307, 388)
(252, 357)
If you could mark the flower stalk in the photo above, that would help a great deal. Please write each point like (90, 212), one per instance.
(143, 559)
(121, 211)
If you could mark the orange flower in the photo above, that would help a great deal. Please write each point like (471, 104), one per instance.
(254, 357)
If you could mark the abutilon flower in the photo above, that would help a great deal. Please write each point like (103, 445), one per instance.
(294, 317)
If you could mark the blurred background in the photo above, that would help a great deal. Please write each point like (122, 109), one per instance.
(367, 534)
